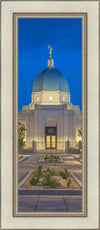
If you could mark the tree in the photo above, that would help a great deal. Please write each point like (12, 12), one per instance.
(21, 135)
(80, 143)
(80, 132)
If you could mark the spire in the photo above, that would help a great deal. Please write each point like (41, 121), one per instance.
(50, 60)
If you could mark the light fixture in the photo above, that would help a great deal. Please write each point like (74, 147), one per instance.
(50, 98)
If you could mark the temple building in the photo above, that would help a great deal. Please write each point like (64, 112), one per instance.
(50, 119)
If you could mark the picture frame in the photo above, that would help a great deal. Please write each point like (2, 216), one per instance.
(10, 11)
(16, 17)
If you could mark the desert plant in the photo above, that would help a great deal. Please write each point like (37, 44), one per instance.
(20, 157)
(69, 182)
(37, 174)
(64, 175)
(53, 184)
(39, 171)
(40, 168)
(56, 158)
(34, 181)
(48, 181)
(51, 158)
(46, 158)
(52, 172)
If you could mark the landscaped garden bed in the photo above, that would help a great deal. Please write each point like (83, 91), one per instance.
(20, 157)
(50, 179)
(51, 158)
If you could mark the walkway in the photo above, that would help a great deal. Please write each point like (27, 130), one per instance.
(49, 203)
(34, 203)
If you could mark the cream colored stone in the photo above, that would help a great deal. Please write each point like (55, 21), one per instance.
(59, 180)
(63, 182)
(41, 179)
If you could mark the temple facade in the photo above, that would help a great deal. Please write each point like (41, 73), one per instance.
(50, 119)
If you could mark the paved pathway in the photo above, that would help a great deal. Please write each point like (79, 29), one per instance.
(50, 203)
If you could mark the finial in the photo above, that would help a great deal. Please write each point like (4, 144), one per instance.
(50, 48)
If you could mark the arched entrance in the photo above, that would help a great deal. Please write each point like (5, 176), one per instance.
(51, 134)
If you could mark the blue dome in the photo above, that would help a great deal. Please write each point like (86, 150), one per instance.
(50, 79)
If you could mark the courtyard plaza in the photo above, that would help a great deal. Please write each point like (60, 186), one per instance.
(55, 202)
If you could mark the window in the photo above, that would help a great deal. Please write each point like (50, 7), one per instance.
(50, 98)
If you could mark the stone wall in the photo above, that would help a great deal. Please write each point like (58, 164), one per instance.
(51, 115)
(50, 97)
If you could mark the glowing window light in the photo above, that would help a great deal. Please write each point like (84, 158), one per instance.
(50, 98)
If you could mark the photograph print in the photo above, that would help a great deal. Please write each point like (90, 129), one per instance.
(50, 156)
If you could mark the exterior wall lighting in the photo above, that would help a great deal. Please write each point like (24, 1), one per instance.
(50, 98)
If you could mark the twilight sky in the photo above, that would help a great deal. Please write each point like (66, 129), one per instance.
(65, 37)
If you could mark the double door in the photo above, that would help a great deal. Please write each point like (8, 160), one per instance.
(51, 137)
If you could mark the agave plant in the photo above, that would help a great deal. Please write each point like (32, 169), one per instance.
(64, 175)
(69, 182)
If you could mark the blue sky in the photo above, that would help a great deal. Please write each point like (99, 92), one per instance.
(65, 37)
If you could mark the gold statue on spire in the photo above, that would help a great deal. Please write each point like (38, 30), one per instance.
(50, 51)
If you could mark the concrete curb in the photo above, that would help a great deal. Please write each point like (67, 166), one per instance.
(78, 159)
(46, 192)
(76, 179)
(23, 160)
(24, 179)
(41, 158)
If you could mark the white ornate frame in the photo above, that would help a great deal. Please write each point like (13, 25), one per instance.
(8, 9)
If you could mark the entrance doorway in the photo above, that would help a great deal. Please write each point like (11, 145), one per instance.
(51, 137)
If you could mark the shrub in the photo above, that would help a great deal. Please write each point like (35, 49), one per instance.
(56, 158)
(39, 168)
(46, 158)
(51, 157)
(69, 182)
(64, 175)
(53, 184)
(34, 181)
(48, 181)
(20, 157)
(52, 172)
(21, 134)
(39, 171)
